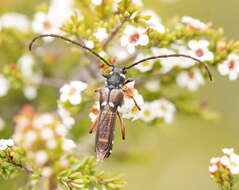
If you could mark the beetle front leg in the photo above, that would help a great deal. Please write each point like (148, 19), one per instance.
(128, 81)
(122, 127)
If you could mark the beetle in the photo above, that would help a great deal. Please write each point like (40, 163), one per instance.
(111, 97)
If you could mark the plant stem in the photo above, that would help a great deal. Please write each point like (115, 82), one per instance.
(114, 33)
(52, 185)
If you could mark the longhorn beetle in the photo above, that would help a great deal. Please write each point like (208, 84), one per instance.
(111, 97)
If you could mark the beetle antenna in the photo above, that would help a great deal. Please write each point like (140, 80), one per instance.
(71, 41)
(172, 55)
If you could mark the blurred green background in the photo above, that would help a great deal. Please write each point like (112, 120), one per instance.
(176, 156)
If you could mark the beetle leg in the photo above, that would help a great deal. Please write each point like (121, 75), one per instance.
(128, 81)
(97, 90)
(132, 97)
(122, 127)
(135, 103)
(94, 125)
(105, 76)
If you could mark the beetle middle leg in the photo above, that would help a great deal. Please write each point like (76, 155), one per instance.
(94, 125)
(132, 97)
(122, 126)
(135, 103)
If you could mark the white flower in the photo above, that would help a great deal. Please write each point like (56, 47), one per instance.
(152, 85)
(43, 120)
(72, 92)
(231, 162)
(46, 172)
(180, 48)
(16, 21)
(194, 23)
(213, 168)
(199, 50)
(101, 34)
(50, 22)
(63, 6)
(147, 113)
(228, 151)
(90, 44)
(65, 116)
(5, 85)
(68, 145)
(167, 64)
(5, 143)
(61, 130)
(190, 79)
(26, 63)
(30, 136)
(234, 164)
(119, 52)
(41, 157)
(134, 36)
(30, 92)
(144, 66)
(94, 112)
(214, 160)
(51, 144)
(44, 24)
(129, 110)
(230, 67)
(97, 2)
(138, 2)
(154, 22)
(164, 109)
(47, 133)
(2, 124)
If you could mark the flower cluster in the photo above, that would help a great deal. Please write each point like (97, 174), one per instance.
(42, 136)
(32, 78)
(70, 95)
(161, 108)
(72, 92)
(224, 169)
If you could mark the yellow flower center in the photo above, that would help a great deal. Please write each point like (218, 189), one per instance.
(147, 113)
(72, 91)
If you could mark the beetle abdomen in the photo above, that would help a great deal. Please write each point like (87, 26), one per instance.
(105, 134)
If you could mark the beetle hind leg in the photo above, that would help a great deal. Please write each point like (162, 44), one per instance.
(122, 126)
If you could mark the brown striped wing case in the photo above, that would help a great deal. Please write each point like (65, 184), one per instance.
(106, 124)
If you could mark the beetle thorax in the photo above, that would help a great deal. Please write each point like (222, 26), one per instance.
(116, 79)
